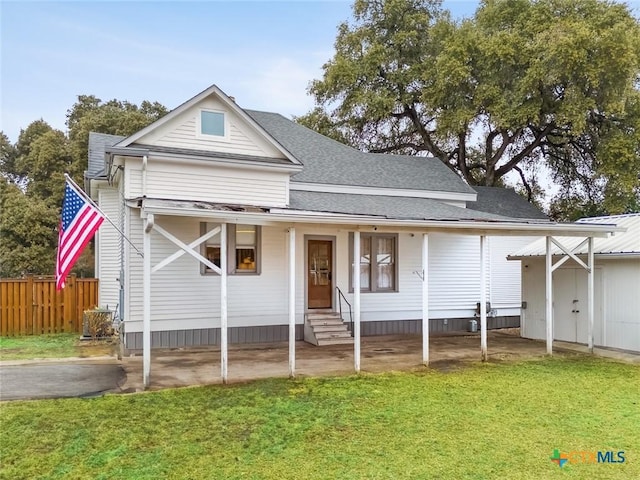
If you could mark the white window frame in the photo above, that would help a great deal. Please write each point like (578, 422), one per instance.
(208, 136)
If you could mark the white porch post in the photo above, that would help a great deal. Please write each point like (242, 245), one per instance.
(483, 298)
(292, 302)
(146, 301)
(356, 301)
(223, 302)
(590, 293)
(549, 297)
(425, 299)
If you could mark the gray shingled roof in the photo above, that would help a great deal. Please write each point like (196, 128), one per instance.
(388, 207)
(98, 142)
(506, 202)
(329, 162)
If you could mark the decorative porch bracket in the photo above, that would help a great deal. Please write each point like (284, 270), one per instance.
(569, 254)
(186, 249)
(550, 267)
(191, 247)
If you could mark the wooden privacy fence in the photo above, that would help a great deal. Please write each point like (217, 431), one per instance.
(31, 305)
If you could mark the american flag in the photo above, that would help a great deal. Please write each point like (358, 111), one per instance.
(78, 224)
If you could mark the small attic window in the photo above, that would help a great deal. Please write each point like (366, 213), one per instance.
(212, 123)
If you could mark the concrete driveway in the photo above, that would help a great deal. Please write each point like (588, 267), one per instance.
(67, 378)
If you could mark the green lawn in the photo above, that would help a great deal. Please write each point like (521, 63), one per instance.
(488, 421)
(60, 345)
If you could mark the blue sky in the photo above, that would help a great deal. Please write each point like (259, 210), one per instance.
(263, 53)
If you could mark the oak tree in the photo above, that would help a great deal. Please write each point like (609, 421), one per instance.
(529, 91)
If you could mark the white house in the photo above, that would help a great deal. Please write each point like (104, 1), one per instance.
(246, 227)
(616, 288)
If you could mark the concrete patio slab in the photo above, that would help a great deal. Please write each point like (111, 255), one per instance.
(179, 368)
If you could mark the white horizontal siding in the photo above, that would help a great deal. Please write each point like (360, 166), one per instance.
(622, 303)
(454, 277)
(505, 274)
(108, 249)
(181, 132)
(185, 136)
(208, 183)
(184, 299)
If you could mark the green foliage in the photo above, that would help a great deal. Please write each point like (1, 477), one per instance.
(28, 229)
(34, 168)
(8, 156)
(521, 85)
(483, 422)
(115, 117)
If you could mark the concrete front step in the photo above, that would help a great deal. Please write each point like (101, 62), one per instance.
(323, 316)
(326, 328)
(325, 323)
(330, 328)
(323, 335)
(335, 341)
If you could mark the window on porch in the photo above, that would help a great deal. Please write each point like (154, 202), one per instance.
(243, 242)
(378, 262)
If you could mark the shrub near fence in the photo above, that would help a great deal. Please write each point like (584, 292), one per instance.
(31, 305)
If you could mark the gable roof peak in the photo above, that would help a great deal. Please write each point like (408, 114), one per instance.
(228, 102)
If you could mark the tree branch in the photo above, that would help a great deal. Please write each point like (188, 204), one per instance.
(525, 183)
(424, 133)
(462, 156)
(525, 151)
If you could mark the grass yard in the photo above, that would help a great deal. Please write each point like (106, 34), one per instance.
(488, 421)
(60, 345)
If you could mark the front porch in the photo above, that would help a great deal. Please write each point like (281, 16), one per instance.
(201, 366)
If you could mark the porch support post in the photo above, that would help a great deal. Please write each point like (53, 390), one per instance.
(483, 297)
(425, 299)
(549, 297)
(146, 301)
(356, 301)
(292, 302)
(590, 295)
(223, 303)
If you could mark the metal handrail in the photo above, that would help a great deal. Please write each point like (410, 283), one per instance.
(340, 298)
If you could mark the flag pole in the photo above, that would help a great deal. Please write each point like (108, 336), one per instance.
(84, 195)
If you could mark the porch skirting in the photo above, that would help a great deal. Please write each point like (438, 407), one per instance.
(280, 333)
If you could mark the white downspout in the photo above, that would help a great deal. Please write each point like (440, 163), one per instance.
(144, 175)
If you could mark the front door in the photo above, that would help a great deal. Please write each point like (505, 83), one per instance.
(319, 278)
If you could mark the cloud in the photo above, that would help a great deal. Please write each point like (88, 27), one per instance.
(281, 86)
